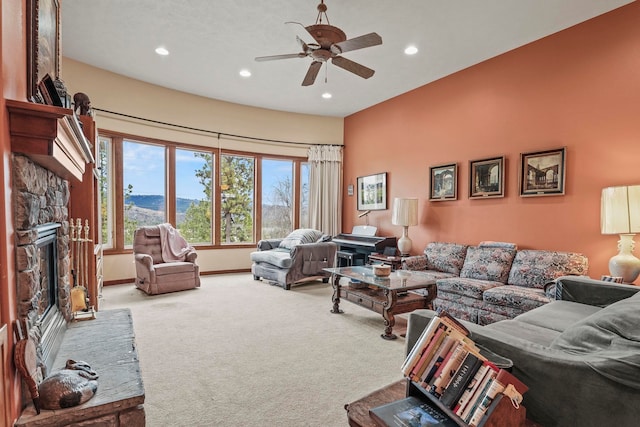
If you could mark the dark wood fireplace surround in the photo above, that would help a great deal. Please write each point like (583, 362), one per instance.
(51, 155)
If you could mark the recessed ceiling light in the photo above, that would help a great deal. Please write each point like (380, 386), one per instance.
(326, 95)
(162, 51)
(411, 50)
(245, 73)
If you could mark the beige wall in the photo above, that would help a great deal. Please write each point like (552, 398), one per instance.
(113, 92)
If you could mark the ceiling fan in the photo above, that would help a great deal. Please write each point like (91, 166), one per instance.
(329, 43)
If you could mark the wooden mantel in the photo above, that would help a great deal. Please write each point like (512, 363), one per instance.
(50, 136)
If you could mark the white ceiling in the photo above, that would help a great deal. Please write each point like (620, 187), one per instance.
(210, 41)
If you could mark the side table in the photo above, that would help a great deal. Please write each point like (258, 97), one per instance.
(358, 411)
(394, 261)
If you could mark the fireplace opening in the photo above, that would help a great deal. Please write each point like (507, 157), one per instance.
(49, 319)
(46, 245)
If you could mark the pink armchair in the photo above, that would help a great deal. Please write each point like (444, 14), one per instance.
(153, 274)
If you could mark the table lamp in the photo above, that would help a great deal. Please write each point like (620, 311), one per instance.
(620, 214)
(405, 213)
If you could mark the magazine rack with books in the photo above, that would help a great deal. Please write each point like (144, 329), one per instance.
(451, 382)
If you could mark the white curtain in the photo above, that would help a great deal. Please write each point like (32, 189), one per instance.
(325, 188)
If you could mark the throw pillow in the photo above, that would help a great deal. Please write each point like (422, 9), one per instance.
(488, 263)
(300, 236)
(608, 341)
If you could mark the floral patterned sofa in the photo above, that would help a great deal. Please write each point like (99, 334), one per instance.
(493, 281)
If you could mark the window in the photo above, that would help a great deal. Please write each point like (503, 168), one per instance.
(237, 177)
(212, 197)
(105, 191)
(144, 199)
(277, 198)
(193, 195)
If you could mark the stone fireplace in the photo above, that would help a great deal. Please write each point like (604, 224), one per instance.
(41, 213)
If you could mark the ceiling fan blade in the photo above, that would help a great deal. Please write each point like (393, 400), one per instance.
(286, 56)
(301, 32)
(368, 40)
(353, 67)
(312, 72)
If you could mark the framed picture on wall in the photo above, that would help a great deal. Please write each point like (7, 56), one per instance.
(43, 44)
(443, 182)
(486, 178)
(372, 192)
(542, 173)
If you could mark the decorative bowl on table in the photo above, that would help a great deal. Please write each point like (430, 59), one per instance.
(381, 270)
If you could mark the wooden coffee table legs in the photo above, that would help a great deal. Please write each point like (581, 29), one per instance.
(387, 313)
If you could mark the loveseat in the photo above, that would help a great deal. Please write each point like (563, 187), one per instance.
(299, 257)
(579, 354)
(494, 280)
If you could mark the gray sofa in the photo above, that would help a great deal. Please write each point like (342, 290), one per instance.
(579, 355)
(297, 258)
(494, 280)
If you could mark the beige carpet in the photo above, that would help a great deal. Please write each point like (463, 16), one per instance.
(239, 352)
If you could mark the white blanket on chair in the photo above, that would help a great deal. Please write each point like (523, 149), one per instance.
(174, 246)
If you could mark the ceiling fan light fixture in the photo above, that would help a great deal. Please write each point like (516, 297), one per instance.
(327, 95)
(411, 50)
(162, 51)
(328, 45)
(245, 73)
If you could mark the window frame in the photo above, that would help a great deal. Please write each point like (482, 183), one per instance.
(115, 175)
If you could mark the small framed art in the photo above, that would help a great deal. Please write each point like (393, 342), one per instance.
(486, 178)
(372, 192)
(443, 182)
(542, 173)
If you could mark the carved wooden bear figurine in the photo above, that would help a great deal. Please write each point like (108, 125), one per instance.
(68, 387)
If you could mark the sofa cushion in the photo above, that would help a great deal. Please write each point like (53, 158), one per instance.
(611, 339)
(525, 331)
(516, 296)
(488, 263)
(558, 315)
(535, 268)
(473, 288)
(174, 268)
(280, 257)
(300, 236)
(447, 257)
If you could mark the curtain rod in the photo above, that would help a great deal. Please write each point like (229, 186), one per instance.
(253, 138)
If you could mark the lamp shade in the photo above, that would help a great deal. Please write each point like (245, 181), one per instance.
(620, 210)
(405, 211)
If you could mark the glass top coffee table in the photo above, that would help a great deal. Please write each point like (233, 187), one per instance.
(401, 292)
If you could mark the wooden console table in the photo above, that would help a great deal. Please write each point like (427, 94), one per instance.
(385, 295)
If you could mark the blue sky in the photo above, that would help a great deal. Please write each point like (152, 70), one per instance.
(144, 168)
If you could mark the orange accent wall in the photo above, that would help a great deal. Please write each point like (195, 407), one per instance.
(13, 82)
(579, 89)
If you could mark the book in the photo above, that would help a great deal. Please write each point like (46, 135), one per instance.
(410, 412)
(493, 388)
(421, 343)
(432, 365)
(474, 401)
(442, 321)
(458, 383)
(427, 355)
(472, 387)
(448, 370)
(445, 356)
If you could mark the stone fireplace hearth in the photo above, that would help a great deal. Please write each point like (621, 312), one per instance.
(41, 214)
